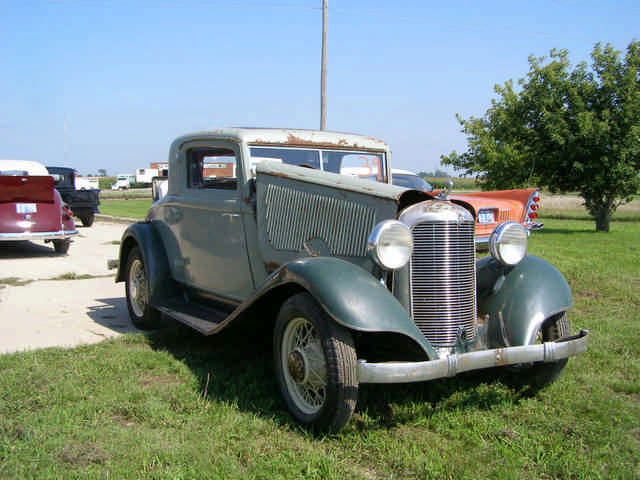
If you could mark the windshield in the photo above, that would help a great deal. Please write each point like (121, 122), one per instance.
(365, 165)
(411, 181)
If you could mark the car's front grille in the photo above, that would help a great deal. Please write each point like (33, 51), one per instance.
(442, 276)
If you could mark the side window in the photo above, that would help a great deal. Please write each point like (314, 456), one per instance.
(212, 168)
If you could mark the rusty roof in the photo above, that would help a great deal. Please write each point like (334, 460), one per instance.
(290, 137)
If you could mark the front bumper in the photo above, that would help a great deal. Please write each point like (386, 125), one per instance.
(405, 372)
(60, 234)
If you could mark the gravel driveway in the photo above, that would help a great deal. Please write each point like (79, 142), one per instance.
(41, 305)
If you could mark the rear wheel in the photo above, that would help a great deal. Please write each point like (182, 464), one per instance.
(540, 374)
(87, 219)
(61, 246)
(143, 316)
(315, 364)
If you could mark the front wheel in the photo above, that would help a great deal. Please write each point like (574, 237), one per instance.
(143, 316)
(540, 374)
(315, 364)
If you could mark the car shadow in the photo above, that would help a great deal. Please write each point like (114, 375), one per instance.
(236, 366)
(26, 249)
(549, 231)
(112, 313)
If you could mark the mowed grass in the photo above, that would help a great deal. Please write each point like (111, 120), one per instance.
(128, 208)
(174, 404)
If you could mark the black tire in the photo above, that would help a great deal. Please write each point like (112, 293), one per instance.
(87, 219)
(540, 374)
(318, 378)
(61, 246)
(143, 316)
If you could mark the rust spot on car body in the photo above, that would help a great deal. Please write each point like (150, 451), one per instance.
(271, 267)
(295, 141)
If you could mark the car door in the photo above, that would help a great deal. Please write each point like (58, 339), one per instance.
(211, 227)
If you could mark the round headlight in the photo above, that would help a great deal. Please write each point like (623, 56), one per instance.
(390, 244)
(508, 243)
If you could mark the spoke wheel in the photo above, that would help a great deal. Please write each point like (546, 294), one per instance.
(304, 365)
(316, 365)
(143, 316)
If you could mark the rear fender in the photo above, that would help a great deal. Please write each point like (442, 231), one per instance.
(146, 238)
(519, 299)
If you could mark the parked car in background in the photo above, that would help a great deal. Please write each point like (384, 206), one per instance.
(489, 208)
(31, 208)
(82, 201)
(145, 175)
(87, 183)
(123, 182)
(160, 184)
(355, 281)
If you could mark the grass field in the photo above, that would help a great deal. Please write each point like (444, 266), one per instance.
(176, 405)
(128, 208)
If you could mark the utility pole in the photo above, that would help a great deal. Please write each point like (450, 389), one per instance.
(323, 75)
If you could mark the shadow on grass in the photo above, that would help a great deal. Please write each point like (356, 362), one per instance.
(550, 231)
(236, 366)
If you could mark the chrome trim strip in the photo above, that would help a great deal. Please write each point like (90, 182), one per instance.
(405, 372)
(37, 235)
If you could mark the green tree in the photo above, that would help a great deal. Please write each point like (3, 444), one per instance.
(565, 129)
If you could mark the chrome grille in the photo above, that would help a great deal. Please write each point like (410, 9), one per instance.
(442, 276)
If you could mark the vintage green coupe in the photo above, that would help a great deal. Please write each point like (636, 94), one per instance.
(359, 281)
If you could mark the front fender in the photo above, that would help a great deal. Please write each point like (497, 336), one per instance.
(146, 238)
(518, 299)
(350, 295)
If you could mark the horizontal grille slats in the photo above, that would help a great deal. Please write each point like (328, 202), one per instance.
(294, 216)
(442, 276)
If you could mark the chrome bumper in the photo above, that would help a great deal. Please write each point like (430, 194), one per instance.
(12, 237)
(405, 372)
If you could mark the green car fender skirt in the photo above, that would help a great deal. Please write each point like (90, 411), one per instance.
(519, 299)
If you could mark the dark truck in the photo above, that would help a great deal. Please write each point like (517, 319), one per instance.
(83, 202)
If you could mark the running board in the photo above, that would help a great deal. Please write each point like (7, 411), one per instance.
(205, 320)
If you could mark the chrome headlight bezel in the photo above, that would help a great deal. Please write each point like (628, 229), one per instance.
(508, 243)
(390, 244)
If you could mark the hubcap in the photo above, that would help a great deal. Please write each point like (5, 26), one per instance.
(296, 366)
(304, 365)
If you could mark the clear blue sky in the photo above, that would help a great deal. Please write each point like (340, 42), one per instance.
(128, 76)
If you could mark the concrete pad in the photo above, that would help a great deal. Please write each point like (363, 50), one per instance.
(61, 313)
(47, 313)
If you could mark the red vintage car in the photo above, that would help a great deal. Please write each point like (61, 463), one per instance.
(31, 208)
(489, 208)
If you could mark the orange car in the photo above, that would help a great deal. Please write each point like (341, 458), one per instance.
(489, 208)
